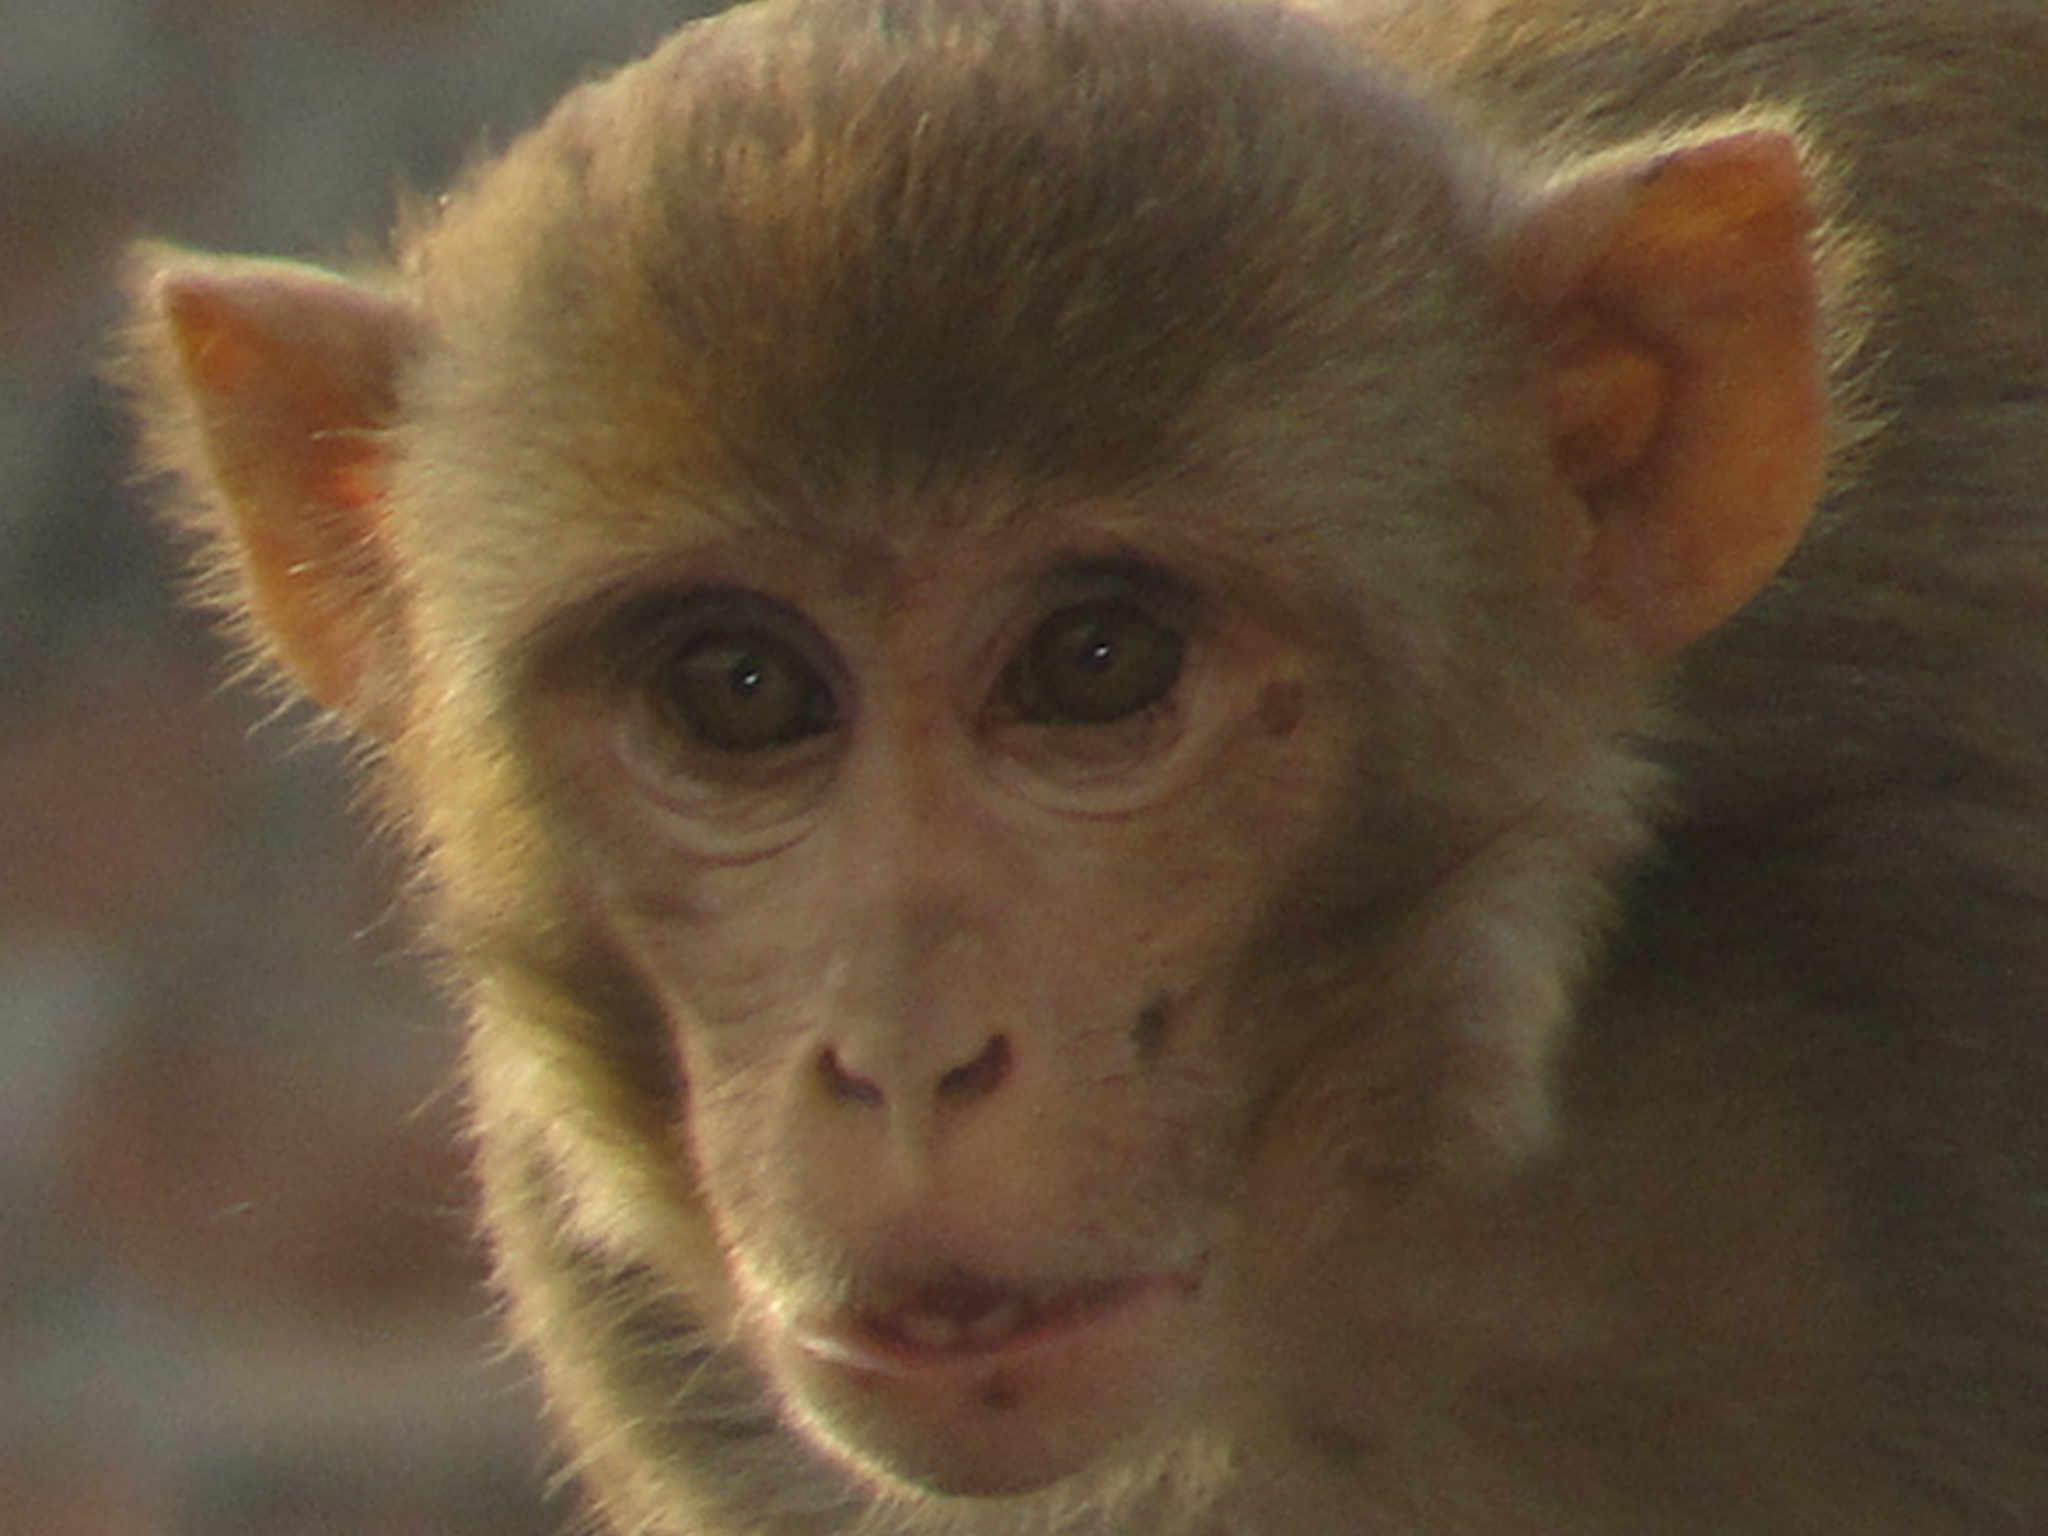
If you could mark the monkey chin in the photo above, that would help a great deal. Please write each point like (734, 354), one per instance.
(1027, 1395)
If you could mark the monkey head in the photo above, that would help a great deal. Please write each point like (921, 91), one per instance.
(1002, 628)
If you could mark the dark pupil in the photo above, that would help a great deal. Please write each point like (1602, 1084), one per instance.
(1095, 663)
(746, 693)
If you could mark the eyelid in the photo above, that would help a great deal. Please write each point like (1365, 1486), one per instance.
(1158, 592)
(1081, 580)
(648, 627)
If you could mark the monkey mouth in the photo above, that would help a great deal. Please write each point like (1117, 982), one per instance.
(970, 1319)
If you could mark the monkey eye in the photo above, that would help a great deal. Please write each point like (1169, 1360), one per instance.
(1094, 663)
(725, 706)
(715, 690)
(742, 691)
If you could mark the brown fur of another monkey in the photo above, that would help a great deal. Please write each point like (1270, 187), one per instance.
(1591, 1149)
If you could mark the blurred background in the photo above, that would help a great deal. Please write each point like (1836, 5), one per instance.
(238, 1295)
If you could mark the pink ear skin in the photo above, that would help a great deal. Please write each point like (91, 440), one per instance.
(1685, 383)
(291, 376)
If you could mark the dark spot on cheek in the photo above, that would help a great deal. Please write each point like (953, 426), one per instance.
(1149, 1035)
(1001, 1392)
(1281, 707)
(1331, 1441)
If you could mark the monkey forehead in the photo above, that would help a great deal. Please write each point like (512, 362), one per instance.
(816, 245)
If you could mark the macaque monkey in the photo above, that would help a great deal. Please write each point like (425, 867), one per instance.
(1199, 771)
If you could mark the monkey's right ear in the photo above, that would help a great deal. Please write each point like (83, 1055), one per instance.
(268, 388)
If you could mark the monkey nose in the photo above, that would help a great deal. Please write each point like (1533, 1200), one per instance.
(960, 1082)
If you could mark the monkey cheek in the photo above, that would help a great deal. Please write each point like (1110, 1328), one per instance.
(1001, 1422)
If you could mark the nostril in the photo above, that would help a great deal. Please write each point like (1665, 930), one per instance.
(980, 1077)
(843, 1083)
(970, 1080)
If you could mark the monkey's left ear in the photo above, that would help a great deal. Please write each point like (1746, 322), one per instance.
(1677, 295)
(268, 387)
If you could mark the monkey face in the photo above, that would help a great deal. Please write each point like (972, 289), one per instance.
(1015, 639)
(927, 871)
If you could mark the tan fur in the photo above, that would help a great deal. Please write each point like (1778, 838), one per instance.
(1601, 1063)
